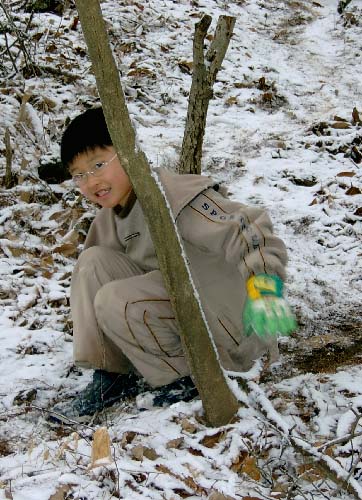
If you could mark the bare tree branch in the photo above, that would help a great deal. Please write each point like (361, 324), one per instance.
(203, 79)
(8, 180)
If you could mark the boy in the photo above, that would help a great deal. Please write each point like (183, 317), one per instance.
(124, 326)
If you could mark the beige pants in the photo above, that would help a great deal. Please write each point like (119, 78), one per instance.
(123, 318)
(123, 321)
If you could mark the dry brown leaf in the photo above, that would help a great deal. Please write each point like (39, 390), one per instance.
(251, 469)
(67, 249)
(8, 494)
(188, 426)
(337, 118)
(355, 117)
(127, 438)
(175, 443)
(47, 260)
(74, 23)
(251, 498)
(196, 453)
(71, 237)
(356, 154)
(29, 271)
(309, 472)
(185, 67)
(51, 47)
(346, 174)
(244, 85)
(188, 480)
(137, 452)
(127, 47)
(47, 274)
(59, 215)
(196, 14)
(37, 36)
(216, 495)
(279, 490)
(340, 125)
(358, 212)
(330, 451)
(25, 196)
(61, 493)
(267, 97)
(150, 453)
(49, 102)
(163, 468)
(16, 252)
(140, 452)
(231, 101)
(238, 462)
(213, 440)
(314, 202)
(353, 190)
(26, 396)
(141, 72)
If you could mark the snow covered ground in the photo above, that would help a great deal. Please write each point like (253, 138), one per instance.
(281, 133)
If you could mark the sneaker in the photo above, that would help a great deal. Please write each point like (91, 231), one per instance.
(104, 390)
(182, 389)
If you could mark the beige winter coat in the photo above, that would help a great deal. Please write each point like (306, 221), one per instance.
(225, 243)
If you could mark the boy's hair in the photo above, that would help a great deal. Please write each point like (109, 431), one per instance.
(85, 133)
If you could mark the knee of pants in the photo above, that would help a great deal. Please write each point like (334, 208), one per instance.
(133, 324)
(112, 307)
(108, 303)
(91, 256)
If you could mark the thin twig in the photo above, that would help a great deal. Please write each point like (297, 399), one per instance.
(327, 465)
(8, 181)
(343, 439)
(64, 419)
(20, 38)
(8, 51)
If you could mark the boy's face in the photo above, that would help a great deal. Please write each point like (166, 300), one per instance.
(110, 186)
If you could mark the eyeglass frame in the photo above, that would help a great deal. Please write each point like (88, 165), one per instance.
(82, 178)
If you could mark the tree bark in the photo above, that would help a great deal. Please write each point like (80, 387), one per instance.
(195, 335)
(203, 79)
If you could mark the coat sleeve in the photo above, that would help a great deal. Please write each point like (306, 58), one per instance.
(242, 235)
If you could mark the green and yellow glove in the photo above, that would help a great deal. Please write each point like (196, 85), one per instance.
(265, 311)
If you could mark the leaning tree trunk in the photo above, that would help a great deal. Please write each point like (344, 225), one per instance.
(203, 79)
(195, 335)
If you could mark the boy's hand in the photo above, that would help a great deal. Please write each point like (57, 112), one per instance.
(265, 311)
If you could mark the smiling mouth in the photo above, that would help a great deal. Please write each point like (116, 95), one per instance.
(102, 192)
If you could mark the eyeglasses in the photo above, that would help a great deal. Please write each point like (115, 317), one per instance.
(97, 169)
